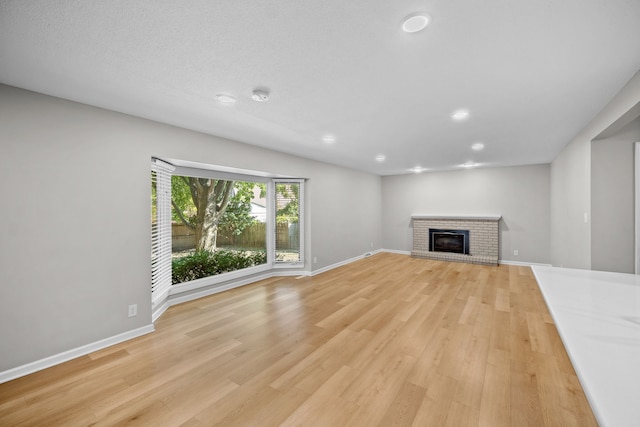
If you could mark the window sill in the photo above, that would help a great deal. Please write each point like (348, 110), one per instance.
(217, 279)
(288, 265)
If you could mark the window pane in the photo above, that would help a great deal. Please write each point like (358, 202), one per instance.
(288, 222)
(218, 226)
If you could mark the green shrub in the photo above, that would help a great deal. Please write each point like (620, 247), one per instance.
(205, 263)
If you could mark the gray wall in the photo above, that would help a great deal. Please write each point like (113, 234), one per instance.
(612, 201)
(570, 202)
(571, 183)
(75, 205)
(520, 194)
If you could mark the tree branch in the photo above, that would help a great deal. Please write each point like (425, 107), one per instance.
(218, 190)
(181, 216)
(227, 194)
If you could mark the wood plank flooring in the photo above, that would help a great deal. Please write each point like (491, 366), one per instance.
(386, 341)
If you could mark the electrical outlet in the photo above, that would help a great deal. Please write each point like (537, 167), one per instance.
(315, 260)
(133, 310)
(515, 252)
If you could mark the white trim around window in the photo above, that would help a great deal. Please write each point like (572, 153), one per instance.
(297, 186)
(165, 295)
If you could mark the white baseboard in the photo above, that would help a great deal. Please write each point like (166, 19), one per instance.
(522, 263)
(290, 273)
(56, 359)
(345, 262)
(159, 311)
(395, 251)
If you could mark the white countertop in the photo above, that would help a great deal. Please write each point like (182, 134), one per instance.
(598, 317)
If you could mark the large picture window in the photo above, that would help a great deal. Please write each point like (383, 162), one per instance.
(210, 221)
(218, 226)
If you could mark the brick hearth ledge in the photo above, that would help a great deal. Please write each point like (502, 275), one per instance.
(483, 237)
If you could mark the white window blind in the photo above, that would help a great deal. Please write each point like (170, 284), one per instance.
(288, 217)
(160, 231)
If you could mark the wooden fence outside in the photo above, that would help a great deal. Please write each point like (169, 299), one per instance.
(254, 236)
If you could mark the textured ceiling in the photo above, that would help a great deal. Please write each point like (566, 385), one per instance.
(532, 73)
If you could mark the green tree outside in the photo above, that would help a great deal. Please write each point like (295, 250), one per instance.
(207, 205)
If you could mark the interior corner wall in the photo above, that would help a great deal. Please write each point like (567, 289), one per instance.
(571, 237)
(570, 204)
(75, 247)
(612, 201)
(519, 193)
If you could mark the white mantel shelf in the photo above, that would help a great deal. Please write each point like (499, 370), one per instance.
(459, 217)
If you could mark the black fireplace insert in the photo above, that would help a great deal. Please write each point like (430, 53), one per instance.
(456, 241)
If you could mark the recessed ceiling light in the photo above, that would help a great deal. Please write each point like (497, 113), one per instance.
(477, 146)
(460, 115)
(225, 99)
(260, 95)
(418, 169)
(469, 164)
(380, 158)
(415, 22)
(328, 139)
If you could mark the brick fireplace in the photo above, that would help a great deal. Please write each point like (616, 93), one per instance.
(482, 232)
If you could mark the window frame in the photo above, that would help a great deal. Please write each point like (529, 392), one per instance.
(231, 275)
(301, 221)
(184, 291)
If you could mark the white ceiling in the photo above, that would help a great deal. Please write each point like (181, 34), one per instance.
(532, 73)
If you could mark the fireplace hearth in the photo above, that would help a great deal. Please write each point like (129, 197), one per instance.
(463, 238)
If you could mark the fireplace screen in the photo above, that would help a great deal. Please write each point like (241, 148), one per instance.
(456, 241)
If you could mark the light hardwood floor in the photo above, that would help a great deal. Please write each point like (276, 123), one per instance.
(386, 341)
